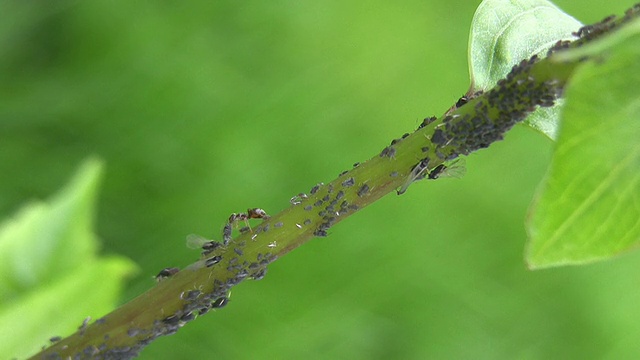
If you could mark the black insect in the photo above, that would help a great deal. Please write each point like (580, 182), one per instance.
(219, 303)
(212, 261)
(349, 182)
(435, 173)
(166, 272)
(363, 190)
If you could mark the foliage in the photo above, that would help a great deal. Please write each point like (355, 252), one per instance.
(50, 272)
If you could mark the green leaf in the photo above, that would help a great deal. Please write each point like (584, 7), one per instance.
(588, 208)
(50, 276)
(504, 32)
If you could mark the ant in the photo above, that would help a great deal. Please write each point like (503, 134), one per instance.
(255, 213)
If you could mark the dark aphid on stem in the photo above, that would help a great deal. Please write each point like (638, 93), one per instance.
(389, 152)
(435, 173)
(238, 251)
(192, 295)
(210, 246)
(315, 189)
(226, 233)
(298, 199)
(364, 189)
(219, 303)
(462, 101)
(245, 229)
(260, 274)
(349, 182)
(439, 138)
(55, 339)
(417, 173)
(84, 325)
(166, 272)
(171, 320)
(320, 233)
(427, 121)
(188, 316)
(212, 261)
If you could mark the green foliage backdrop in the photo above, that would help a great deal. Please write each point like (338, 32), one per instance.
(201, 109)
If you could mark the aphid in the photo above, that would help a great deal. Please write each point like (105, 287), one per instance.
(349, 182)
(356, 165)
(212, 261)
(320, 233)
(54, 339)
(389, 152)
(438, 137)
(278, 224)
(427, 121)
(298, 199)
(166, 272)
(308, 208)
(259, 275)
(203, 310)
(315, 189)
(91, 350)
(192, 295)
(454, 169)
(84, 325)
(245, 229)
(226, 233)
(339, 195)
(326, 198)
(238, 251)
(209, 246)
(188, 316)
(393, 174)
(171, 320)
(435, 173)
(463, 100)
(307, 221)
(416, 174)
(342, 173)
(219, 303)
(363, 190)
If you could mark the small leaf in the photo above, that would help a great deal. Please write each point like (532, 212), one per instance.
(504, 32)
(589, 205)
(50, 276)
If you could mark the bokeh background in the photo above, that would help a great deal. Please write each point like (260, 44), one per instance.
(204, 108)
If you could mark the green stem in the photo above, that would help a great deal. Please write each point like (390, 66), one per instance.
(198, 288)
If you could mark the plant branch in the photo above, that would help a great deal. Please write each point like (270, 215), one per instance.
(474, 123)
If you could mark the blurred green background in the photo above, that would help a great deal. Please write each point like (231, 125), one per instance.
(205, 108)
